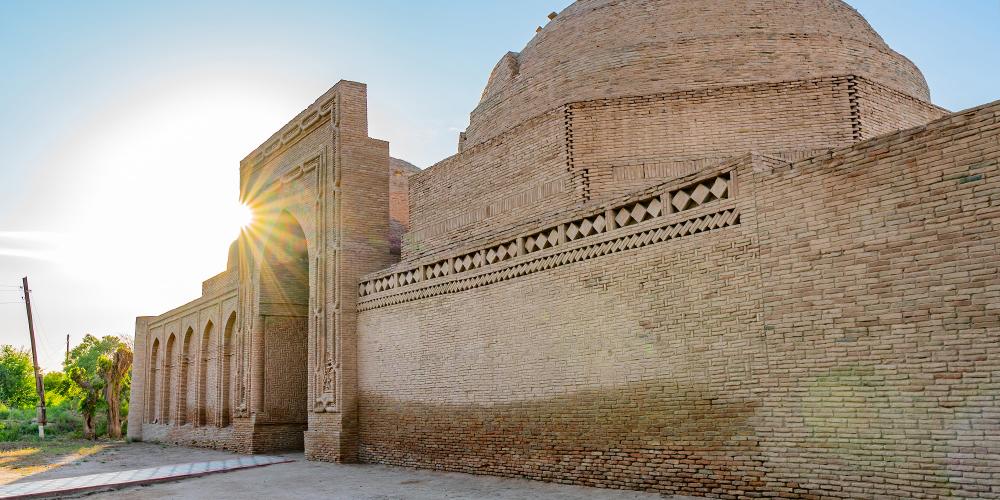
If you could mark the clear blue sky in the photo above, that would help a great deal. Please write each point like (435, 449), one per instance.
(121, 122)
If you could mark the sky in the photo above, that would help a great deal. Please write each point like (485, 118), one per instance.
(123, 123)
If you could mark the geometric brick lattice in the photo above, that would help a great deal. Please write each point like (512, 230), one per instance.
(588, 228)
(560, 256)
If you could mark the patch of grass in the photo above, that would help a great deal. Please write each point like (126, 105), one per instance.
(18, 424)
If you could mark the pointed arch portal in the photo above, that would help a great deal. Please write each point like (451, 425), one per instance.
(276, 370)
(284, 308)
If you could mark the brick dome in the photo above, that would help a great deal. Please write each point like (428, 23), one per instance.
(611, 48)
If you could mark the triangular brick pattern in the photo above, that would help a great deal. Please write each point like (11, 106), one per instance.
(614, 219)
(717, 220)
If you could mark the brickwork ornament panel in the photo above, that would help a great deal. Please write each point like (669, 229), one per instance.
(326, 306)
(321, 172)
(676, 212)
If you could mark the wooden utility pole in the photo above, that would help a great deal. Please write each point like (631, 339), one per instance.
(67, 347)
(39, 386)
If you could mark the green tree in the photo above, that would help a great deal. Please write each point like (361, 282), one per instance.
(90, 387)
(17, 378)
(89, 366)
(55, 386)
(86, 354)
(114, 370)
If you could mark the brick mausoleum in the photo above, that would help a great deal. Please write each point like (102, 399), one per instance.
(710, 247)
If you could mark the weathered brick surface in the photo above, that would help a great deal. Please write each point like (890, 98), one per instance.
(879, 110)
(400, 172)
(621, 145)
(319, 188)
(596, 150)
(881, 288)
(627, 370)
(840, 341)
(597, 49)
(285, 342)
(457, 198)
(684, 248)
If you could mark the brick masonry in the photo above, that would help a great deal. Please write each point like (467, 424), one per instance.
(597, 49)
(839, 341)
(400, 172)
(596, 150)
(319, 188)
(691, 247)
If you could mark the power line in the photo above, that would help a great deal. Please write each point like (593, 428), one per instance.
(40, 320)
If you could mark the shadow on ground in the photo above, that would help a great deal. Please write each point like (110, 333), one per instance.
(300, 479)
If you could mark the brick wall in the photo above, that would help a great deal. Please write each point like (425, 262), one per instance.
(286, 343)
(182, 382)
(320, 190)
(882, 288)
(839, 340)
(881, 110)
(222, 281)
(499, 182)
(598, 49)
(585, 373)
(400, 172)
(138, 406)
(620, 145)
(597, 150)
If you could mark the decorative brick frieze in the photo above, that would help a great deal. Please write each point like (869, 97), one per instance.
(543, 260)
(662, 206)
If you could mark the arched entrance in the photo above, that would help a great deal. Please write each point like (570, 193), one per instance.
(153, 397)
(167, 385)
(186, 400)
(205, 376)
(284, 309)
(227, 369)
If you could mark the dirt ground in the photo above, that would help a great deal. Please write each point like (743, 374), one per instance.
(22, 459)
(29, 461)
(300, 479)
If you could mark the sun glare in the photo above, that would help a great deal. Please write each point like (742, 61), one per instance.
(242, 216)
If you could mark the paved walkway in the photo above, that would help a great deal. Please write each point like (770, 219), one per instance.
(122, 472)
(115, 480)
(304, 479)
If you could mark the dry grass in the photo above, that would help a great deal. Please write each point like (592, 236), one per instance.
(20, 459)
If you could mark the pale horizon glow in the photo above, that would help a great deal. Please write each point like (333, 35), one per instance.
(123, 124)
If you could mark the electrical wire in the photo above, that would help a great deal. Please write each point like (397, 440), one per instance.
(42, 346)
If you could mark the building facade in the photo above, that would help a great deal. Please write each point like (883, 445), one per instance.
(705, 247)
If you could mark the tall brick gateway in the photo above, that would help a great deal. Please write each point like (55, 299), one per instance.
(711, 247)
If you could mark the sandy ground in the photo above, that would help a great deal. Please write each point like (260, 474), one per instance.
(25, 459)
(303, 479)
(113, 457)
